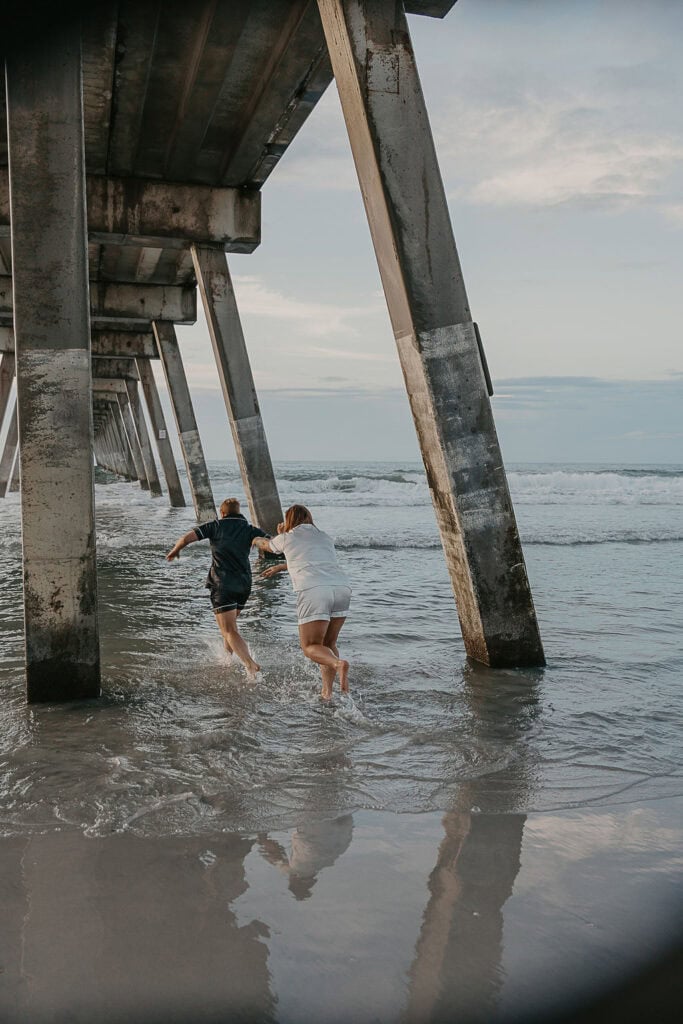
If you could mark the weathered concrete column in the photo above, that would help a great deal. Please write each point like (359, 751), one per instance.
(143, 438)
(121, 454)
(132, 440)
(113, 458)
(8, 452)
(52, 336)
(6, 379)
(110, 455)
(156, 415)
(181, 403)
(388, 127)
(237, 382)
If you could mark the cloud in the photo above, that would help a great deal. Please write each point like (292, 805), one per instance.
(314, 319)
(547, 147)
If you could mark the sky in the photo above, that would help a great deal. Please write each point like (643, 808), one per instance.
(560, 141)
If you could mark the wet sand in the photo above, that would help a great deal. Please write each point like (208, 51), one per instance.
(367, 917)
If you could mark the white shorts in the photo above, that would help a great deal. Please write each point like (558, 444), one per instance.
(318, 603)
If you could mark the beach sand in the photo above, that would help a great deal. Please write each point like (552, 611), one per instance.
(369, 917)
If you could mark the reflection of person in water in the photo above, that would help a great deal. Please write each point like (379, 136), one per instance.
(314, 845)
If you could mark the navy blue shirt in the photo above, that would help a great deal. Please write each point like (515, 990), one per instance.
(230, 539)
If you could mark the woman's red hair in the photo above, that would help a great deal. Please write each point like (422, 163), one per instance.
(295, 516)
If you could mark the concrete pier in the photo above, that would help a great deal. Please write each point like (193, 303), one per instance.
(186, 423)
(388, 127)
(237, 383)
(6, 380)
(156, 416)
(143, 438)
(131, 439)
(52, 337)
(8, 452)
(122, 453)
(15, 479)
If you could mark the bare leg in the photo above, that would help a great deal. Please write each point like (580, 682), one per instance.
(227, 623)
(312, 635)
(330, 640)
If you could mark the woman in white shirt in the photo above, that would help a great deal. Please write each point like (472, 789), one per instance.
(323, 594)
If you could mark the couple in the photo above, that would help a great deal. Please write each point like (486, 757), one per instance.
(322, 588)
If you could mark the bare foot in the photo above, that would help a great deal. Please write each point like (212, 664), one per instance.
(326, 693)
(253, 669)
(343, 670)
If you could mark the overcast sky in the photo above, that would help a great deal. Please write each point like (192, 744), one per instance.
(559, 133)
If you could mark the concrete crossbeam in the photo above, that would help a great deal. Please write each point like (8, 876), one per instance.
(101, 385)
(114, 369)
(52, 334)
(132, 211)
(388, 127)
(121, 345)
(142, 302)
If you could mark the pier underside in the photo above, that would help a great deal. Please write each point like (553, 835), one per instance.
(135, 152)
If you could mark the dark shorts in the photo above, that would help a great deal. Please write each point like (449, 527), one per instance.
(224, 599)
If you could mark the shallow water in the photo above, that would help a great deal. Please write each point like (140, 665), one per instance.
(432, 765)
(182, 743)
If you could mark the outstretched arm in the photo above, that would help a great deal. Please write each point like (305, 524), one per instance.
(189, 538)
(263, 544)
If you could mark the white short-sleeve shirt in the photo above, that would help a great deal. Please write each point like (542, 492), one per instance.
(311, 558)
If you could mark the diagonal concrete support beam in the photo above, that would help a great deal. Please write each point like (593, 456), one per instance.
(239, 391)
(8, 452)
(15, 479)
(143, 438)
(131, 436)
(186, 423)
(132, 211)
(388, 127)
(156, 415)
(7, 367)
(52, 334)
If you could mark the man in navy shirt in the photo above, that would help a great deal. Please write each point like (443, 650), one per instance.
(229, 579)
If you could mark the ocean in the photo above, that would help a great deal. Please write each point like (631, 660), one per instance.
(436, 843)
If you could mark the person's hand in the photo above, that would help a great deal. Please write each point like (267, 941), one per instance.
(173, 553)
(280, 527)
(272, 571)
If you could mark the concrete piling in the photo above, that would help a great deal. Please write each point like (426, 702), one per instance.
(15, 479)
(388, 127)
(237, 383)
(143, 438)
(156, 416)
(6, 379)
(9, 452)
(131, 439)
(52, 337)
(186, 423)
